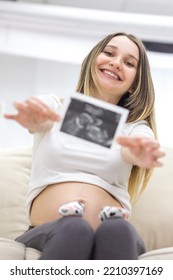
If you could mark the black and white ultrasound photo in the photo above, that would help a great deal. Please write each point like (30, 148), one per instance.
(90, 122)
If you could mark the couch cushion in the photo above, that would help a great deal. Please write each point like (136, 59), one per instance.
(15, 166)
(160, 254)
(152, 215)
(12, 250)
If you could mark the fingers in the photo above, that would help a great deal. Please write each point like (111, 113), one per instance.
(35, 109)
(156, 155)
(129, 142)
(10, 117)
(19, 107)
(134, 141)
(41, 109)
(138, 143)
(146, 150)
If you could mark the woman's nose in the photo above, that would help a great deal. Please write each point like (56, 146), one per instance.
(116, 62)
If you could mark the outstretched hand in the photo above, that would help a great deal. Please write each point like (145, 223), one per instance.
(33, 113)
(142, 151)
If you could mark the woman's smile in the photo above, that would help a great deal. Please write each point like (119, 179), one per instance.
(110, 74)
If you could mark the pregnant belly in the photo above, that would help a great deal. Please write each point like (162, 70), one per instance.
(45, 206)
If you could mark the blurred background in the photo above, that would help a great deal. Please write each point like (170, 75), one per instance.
(43, 43)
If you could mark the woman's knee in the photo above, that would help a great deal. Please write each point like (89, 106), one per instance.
(118, 230)
(117, 239)
(70, 238)
(75, 227)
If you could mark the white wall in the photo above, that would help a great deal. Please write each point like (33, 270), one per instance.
(22, 77)
(164, 104)
(16, 82)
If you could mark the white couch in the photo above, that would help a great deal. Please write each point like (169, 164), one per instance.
(152, 215)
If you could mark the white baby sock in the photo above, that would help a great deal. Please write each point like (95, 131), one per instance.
(74, 208)
(109, 212)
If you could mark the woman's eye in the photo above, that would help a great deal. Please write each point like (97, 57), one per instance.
(130, 64)
(108, 53)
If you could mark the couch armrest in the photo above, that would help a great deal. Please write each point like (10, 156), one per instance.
(13, 250)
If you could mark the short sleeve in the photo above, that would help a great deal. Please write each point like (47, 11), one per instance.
(140, 127)
(51, 100)
(54, 103)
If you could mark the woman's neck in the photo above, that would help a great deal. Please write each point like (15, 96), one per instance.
(107, 98)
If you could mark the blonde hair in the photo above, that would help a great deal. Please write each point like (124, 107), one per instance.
(140, 103)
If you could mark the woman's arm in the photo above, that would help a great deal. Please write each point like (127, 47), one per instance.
(34, 115)
(141, 151)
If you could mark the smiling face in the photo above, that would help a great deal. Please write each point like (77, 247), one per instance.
(116, 68)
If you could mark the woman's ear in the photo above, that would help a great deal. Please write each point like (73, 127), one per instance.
(132, 90)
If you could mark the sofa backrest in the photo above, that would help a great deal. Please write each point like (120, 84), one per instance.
(15, 164)
(152, 215)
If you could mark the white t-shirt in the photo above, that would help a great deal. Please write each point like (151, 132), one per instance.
(55, 159)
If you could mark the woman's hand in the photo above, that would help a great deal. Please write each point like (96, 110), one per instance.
(141, 151)
(34, 115)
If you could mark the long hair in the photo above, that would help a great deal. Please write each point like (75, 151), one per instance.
(140, 103)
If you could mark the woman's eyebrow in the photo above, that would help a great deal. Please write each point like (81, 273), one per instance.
(129, 55)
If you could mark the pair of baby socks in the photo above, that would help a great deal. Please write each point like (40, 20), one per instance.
(77, 209)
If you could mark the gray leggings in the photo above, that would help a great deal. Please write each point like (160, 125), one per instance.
(72, 238)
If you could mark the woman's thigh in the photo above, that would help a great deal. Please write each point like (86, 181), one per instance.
(67, 234)
(35, 237)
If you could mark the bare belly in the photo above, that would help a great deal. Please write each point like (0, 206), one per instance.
(45, 206)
